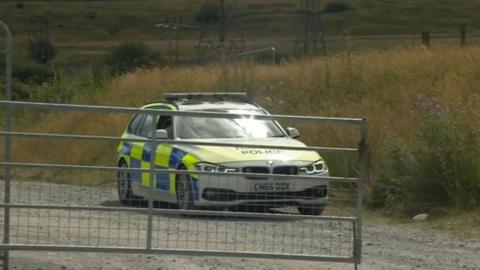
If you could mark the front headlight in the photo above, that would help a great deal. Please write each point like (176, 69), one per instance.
(210, 167)
(317, 167)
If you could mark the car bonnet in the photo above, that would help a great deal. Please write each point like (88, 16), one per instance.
(222, 154)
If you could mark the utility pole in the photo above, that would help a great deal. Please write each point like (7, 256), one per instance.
(306, 24)
(40, 46)
(463, 35)
(174, 25)
(177, 38)
(223, 37)
(222, 18)
(310, 30)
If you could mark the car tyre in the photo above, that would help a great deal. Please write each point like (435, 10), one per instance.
(311, 210)
(124, 185)
(184, 192)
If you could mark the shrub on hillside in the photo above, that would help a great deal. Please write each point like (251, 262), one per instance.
(130, 56)
(41, 51)
(34, 74)
(209, 13)
(441, 169)
(26, 77)
(337, 7)
(86, 82)
(21, 91)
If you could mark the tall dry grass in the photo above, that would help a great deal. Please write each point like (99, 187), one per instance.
(390, 89)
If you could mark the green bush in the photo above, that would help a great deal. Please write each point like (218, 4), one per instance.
(41, 51)
(25, 77)
(337, 7)
(130, 56)
(448, 158)
(21, 91)
(33, 82)
(209, 13)
(88, 82)
(387, 191)
(34, 74)
(441, 169)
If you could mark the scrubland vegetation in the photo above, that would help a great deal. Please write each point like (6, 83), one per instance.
(421, 106)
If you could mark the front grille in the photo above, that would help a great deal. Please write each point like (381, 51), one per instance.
(226, 195)
(288, 170)
(283, 170)
(257, 169)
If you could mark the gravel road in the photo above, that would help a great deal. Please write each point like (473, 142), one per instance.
(385, 246)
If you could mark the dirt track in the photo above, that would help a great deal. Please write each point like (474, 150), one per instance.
(385, 246)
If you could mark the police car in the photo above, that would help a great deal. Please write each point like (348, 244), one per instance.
(253, 180)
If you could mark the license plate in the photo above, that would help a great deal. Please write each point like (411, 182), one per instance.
(271, 186)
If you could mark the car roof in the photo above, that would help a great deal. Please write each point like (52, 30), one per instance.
(195, 105)
(207, 101)
(204, 106)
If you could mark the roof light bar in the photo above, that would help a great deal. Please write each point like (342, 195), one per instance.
(205, 96)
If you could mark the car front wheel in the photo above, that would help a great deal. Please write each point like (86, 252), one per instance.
(124, 184)
(184, 192)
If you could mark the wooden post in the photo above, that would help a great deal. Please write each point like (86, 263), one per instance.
(426, 38)
(463, 35)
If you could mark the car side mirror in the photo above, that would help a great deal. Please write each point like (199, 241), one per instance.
(161, 134)
(293, 132)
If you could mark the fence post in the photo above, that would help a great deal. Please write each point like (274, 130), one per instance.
(362, 177)
(7, 176)
(463, 35)
(151, 189)
(274, 56)
(426, 38)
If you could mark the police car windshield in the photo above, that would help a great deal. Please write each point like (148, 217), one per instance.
(216, 128)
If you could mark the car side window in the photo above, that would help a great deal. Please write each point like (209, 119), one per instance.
(135, 123)
(149, 125)
(165, 122)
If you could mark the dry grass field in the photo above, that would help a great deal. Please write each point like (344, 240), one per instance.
(421, 106)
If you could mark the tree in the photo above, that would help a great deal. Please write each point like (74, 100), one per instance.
(41, 50)
(130, 56)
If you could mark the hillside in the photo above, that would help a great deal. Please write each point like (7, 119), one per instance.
(421, 106)
(84, 30)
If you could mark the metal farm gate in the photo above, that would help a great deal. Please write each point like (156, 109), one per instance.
(39, 213)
